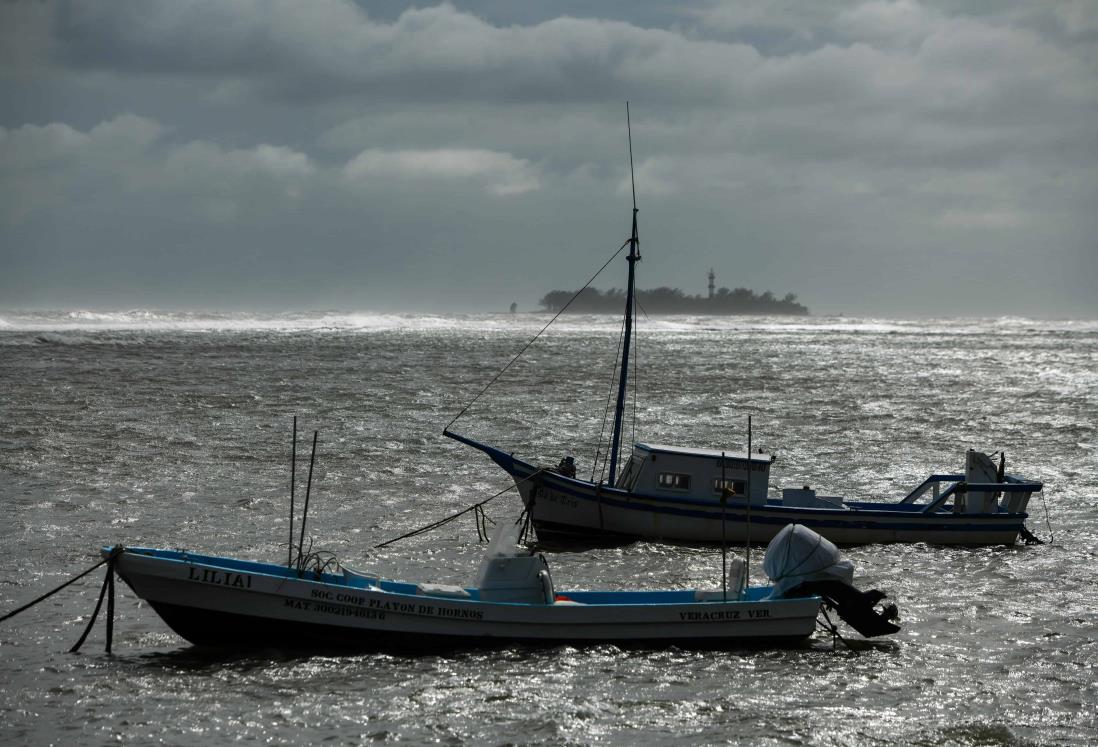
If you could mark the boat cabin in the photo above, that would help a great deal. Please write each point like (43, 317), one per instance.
(696, 473)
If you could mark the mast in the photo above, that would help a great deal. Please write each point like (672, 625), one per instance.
(634, 256)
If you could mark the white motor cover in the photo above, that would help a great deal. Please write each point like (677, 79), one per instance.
(797, 554)
(980, 468)
(510, 573)
(504, 543)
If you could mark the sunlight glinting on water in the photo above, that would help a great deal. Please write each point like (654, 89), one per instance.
(172, 430)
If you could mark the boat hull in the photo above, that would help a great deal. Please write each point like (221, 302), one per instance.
(228, 603)
(569, 511)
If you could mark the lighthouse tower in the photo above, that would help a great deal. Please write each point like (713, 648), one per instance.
(712, 283)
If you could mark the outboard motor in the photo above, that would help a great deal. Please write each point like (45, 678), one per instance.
(801, 563)
(511, 573)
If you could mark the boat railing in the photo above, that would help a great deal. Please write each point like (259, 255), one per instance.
(1016, 492)
(932, 483)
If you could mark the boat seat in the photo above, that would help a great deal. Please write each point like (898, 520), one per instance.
(441, 590)
(359, 578)
(733, 583)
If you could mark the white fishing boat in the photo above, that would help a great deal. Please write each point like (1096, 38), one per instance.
(687, 494)
(240, 604)
(701, 495)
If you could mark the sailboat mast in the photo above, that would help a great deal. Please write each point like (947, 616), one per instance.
(634, 255)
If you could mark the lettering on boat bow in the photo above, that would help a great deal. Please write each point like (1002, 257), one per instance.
(219, 578)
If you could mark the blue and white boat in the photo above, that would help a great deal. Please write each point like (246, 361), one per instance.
(240, 604)
(701, 496)
(705, 495)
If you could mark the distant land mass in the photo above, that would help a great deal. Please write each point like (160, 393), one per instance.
(674, 301)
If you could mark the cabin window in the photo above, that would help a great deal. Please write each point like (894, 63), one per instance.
(673, 480)
(739, 487)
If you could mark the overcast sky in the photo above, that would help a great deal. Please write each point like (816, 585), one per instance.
(874, 158)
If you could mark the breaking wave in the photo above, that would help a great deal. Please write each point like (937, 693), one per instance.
(139, 320)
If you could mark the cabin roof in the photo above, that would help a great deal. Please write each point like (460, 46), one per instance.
(707, 453)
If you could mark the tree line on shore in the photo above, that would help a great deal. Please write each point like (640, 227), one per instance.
(673, 301)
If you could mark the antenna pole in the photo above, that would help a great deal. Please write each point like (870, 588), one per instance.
(724, 532)
(747, 543)
(308, 489)
(293, 475)
(623, 376)
(632, 177)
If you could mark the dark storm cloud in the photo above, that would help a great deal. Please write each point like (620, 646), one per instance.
(868, 156)
(327, 48)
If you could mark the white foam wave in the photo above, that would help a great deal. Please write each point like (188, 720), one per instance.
(137, 320)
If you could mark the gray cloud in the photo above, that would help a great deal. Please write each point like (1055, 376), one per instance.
(500, 173)
(331, 47)
(898, 157)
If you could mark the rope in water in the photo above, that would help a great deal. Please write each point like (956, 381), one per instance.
(107, 590)
(1048, 524)
(834, 630)
(114, 553)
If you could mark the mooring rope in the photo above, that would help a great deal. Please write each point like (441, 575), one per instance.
(1048, 524)
(534, 339)
(107, 590)
(115, 552)
(834, 630)
(1029, 538)
(442, 522)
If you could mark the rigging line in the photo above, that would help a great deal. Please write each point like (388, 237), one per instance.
(609, 399)
(535, 337)
(636, 362)
(606, 410)
(636, 375)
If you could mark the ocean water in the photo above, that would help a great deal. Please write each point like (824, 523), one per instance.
(173, 430)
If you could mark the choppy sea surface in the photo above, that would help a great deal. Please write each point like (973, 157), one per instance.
(173, 430)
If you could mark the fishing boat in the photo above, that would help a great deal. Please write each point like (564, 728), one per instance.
(683, 494)
(241, 604)
(700, 496)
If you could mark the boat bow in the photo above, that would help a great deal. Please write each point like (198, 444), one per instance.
(506, 461)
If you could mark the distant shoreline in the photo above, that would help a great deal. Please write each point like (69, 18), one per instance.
(674, 301)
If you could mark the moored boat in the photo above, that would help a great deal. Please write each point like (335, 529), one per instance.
(230, 603)
(700, 495)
